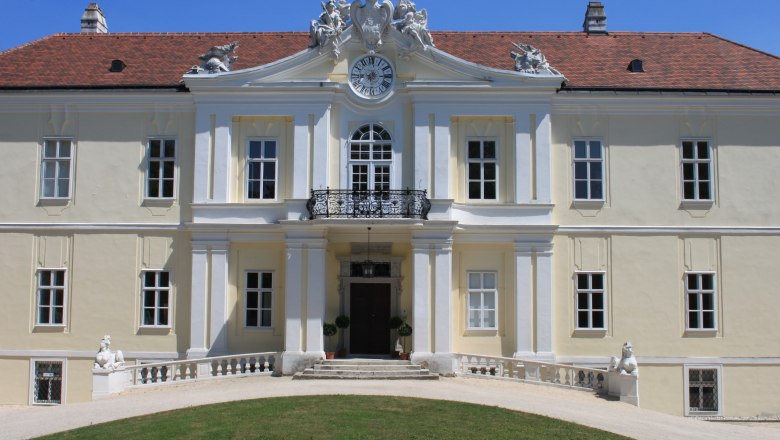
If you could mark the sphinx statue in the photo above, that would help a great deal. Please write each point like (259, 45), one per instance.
(107, 359)
(627, 364)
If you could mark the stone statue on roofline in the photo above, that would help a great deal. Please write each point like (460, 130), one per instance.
(217, 59)
(414, 26)
(107, 359)
(326, 31)
(370, 22)
(532, 61)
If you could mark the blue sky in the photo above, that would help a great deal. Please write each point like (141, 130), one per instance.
(750, 22)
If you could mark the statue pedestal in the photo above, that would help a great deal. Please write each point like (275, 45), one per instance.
(108, 382)
(624, 386)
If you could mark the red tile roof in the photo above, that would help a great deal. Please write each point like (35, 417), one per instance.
(671, 60)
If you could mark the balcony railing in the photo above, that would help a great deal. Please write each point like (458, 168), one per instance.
(342, 203)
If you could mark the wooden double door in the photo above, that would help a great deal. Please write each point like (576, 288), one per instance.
(369, 310)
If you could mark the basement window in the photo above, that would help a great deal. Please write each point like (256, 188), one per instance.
(636, 66)
(117, 66)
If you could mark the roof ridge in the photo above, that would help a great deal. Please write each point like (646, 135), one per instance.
(15, 48)
(743, 45)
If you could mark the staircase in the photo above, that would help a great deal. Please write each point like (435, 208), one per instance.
(366, 369)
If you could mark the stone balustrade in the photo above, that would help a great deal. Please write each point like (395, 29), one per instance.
(623, 386)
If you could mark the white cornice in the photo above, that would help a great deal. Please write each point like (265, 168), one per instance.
(664, 104)
(669, 230)
(102, 227)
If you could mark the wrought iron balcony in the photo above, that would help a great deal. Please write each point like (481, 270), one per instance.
(343, 203)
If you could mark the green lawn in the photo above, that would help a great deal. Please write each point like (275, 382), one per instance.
(339, 417)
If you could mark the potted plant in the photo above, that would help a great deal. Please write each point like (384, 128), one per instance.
(342, 322)
(403, 331)
(395, 322)
(329, 330)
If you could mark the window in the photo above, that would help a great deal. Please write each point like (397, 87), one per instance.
(482, 170)
(262, 170)
(371, 158)
(482, 300)
(590, 301)
(259, 299)
(47, 382)
(700, 300)
(56, 168)
(703, 391)
(51, 297)
(155, 299)
(696, 170)
(161, 169)
(588, 170)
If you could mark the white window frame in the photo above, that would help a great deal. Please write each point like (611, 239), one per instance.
(259, 291)
(262, 160)
(162, 159)
(588, 161)
(157, 289)
(63, 386)
(371, 163)
(696, 162)
(65, 292)
(590, 291)
(71, 166)
(482, 161)
(686, 390)
(700, 292)
(481, 291)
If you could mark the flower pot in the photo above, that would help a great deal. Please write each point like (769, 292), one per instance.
(330, 354)
(404, 356)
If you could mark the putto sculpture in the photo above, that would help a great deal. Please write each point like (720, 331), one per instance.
(414, 26)
(217, 59)
(532, 61)
(326, 31)
(107, 359)
(371, 21)
(627, 364)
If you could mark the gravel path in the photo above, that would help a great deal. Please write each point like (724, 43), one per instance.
(573, 406)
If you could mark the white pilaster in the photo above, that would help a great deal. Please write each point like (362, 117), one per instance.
(523, 302)
(320, 156)
(202, 157)
(198, 297)
(523, 158)
(292, 303)
(300, 159)
(443, 295)
(315, 297)
(222, 146)
(543, 157)
(422, 152)
(544, 324)
(441, 160)
(421, 319)
(219, 307)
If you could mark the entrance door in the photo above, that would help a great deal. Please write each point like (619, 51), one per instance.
(369, 310)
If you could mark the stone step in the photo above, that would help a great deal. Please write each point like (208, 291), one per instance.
(363, 362)
(348, 372)
(302, 376)
(353, 366)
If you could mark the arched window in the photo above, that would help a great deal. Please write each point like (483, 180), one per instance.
(370, 158)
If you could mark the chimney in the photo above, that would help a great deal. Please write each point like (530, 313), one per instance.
(93, 21)
(595, 19)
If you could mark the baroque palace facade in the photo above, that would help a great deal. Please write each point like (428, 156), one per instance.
(538, 195)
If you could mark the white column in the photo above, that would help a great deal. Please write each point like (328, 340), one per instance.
(422, 152)
(421, 319)
(543, 158)
(198, 295)
(441, 161)
(219, 307)
(222, 147)
(202, 157)
(320, 160)
(300, 159)
(443, 295)
(523, 302)
(292, 298)
(523, 158)
(544, 324)
(315, 297)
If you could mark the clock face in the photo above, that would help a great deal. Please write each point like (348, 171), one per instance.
(371, 76)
